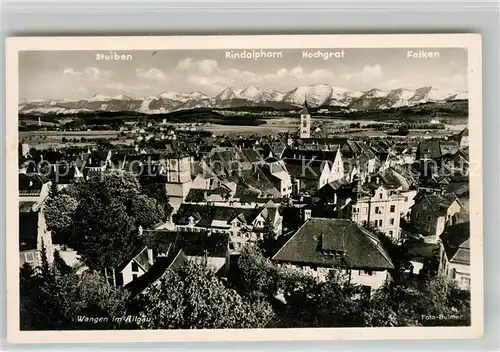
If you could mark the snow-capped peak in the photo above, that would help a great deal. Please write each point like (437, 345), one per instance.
(100, 97)
(122, 97)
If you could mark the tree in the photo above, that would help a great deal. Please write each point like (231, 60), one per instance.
(103, 233)
(256, 275)
(59, 265)
(268, 241)
(100, 217)
(59, 213)
(61, 302)
(146, 210)
(158, 192)
(194, 298)
(412, 301)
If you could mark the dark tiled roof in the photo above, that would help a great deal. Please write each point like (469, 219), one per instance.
(357, 248)
(195, 195)
(305, 169)
(255, 180)
(157, 271)
(191, 243)
(430, 148)
(460, 189)
(318, 154)
(456, 243)
(206, 214)
(441, 201)
(392, 179)
(252, 155)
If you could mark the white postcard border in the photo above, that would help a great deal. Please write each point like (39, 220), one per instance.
(471, 42)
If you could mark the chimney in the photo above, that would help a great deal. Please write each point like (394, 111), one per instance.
(150, 256)
(140, 229)
(377, 179)
(307, 214)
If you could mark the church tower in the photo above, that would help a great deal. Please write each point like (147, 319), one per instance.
(305, 122)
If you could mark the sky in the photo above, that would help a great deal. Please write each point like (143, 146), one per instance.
(79, 75)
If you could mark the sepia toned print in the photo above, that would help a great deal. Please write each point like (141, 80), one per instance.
(180, 187)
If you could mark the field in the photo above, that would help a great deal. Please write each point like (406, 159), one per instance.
(271, 125)
(53, 139)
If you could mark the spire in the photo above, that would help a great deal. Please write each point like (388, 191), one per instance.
(305, 110)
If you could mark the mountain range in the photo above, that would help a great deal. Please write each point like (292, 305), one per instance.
(318, 95)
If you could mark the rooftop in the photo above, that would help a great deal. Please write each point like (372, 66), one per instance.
(334, 243)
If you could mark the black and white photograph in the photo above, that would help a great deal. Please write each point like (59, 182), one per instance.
(246, 188)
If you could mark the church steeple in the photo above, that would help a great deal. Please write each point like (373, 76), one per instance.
(305, 122)
(305, 109)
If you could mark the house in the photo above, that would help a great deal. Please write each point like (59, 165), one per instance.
(64, 174)
(379, 206)
(308, 175)
(139, 264)
(33, 234)
(164, 263)
(276, 171)
(436, 148)
(433, 212)
(323, 244)
(255, 181)
(455, 254)
(96, 163)
(33, 187)
(244, 225)
(208, 249)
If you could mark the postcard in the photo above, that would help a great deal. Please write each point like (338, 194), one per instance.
(244, 188)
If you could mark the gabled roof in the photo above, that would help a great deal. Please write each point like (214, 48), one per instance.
(314, 241)
(456, 243)
(251, 155)
(141, 257)
(157, 271)
(393, 179)
(440, 201)
(306, 169)
(191, 243)
(256, 181)
(310, 153)
(209, 213)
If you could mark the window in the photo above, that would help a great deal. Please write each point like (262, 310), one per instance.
(29, 257)
(365, 272)
(380, 223)
(390, 233)
(134, 276)
(418, 215)
(393, 208)
(391, 221)
(380, 195)
(377, 210)
(305, 122)
(428, 218)
(135, 267)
